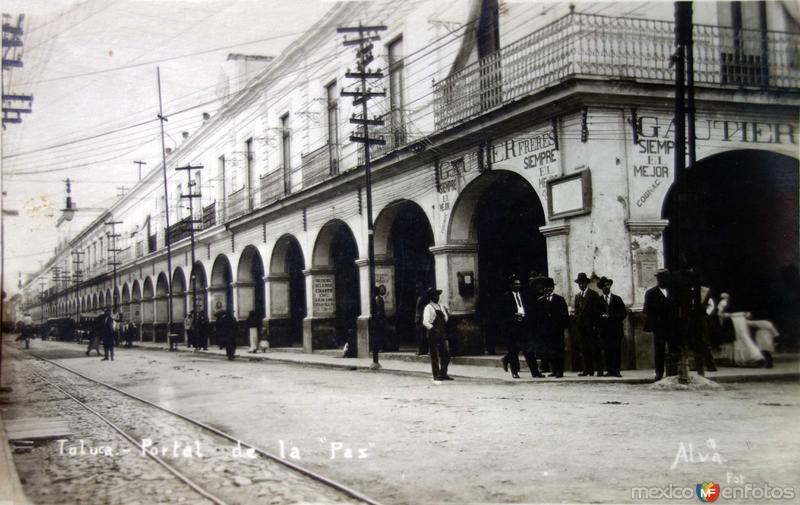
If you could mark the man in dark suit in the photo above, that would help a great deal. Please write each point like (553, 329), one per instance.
(587, 320)
(661, 310)
(613, 314)
(514, 317)
(550, 317)
(108, 334)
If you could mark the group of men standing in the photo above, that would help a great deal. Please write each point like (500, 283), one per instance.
(534, 321)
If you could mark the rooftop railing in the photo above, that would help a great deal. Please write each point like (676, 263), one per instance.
(594, 46)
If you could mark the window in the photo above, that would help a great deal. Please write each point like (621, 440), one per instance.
(248, 164)
(286, 151)
(178, 203)
(333, 126)
(221, 181)
(396, 99)
(745, 54)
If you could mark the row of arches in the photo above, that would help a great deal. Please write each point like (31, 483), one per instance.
(496, 223)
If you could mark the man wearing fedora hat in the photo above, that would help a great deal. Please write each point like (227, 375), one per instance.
(434, 319)
(549, 320)
(611, 331)
(661, 309)
(587, 320)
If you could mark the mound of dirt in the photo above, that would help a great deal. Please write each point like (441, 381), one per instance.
(696, 383)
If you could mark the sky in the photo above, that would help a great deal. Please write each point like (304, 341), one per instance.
(91, 67)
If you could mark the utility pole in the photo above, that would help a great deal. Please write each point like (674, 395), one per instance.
(166, 208)
(121, 190)
(365, 36)
(112, 240)
(683, 282)
(140, 163)
(192, 221)
(12, 58)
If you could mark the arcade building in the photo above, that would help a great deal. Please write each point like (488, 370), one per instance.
(519, 137)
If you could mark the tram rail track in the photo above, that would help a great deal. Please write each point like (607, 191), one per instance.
(351, 494)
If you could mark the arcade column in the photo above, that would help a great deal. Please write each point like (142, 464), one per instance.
(456, 268)
(647, 256)
(384, 275)
(319, 326)
(557, 239)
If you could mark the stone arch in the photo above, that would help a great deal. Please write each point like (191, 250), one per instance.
(403, 238)
(250, 283)
(178, 296)
(221, 285)
(735, 218)
(287, 284)
(198, 284)
(136, 302)
(334, 267)
(493, 233)
(125, 302)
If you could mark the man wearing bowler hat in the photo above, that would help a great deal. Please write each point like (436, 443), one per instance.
(611, 330)
(661, 309)
(434, 318)
(587, 320)
(549, 320)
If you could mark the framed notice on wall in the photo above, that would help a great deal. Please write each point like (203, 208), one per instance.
(570, 195)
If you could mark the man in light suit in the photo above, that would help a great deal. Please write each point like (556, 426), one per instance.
(613, 314)
(661, 309)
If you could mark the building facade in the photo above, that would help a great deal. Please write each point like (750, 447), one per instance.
(519, 137)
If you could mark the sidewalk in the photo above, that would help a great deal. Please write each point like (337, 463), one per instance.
(481, 368)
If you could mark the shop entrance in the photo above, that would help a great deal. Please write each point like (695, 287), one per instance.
(739, 227)
(505, 223)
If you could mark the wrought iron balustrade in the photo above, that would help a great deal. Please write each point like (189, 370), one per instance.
(272, 186)
(209, 215)
(320, 164)
(237, 203)
(180, 230)
(595, 46)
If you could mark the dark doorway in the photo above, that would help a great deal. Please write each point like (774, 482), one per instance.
(344, 253)
(739, 226)
(297, 292)
(507, 220)
(411, 238)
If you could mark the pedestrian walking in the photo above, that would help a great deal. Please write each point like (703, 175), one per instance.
(226, 329)
(549, 319)
(435, 319)
(253, 330)
(27, 330)
(378, 335)
(661, 310)
(108, 334)
(515, 321)
(422, 333)
(587, 319)
(95, 334)
(203, 328)
(189, 330)
(130, 332)
(613, 313)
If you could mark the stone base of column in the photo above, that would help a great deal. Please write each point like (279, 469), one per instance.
(161, 331)
(282, 332)
(362, 337)
(319, 333)
(148, 333)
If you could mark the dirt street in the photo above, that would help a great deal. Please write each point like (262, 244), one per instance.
(407, 440)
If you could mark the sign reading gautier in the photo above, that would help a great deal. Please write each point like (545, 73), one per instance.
(653, 154)
(324, 294)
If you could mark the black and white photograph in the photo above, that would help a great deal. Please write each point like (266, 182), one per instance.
(419, 252)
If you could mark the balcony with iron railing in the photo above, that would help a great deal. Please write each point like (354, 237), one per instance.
(237, 203)
(595, 46)
(320, 164)
(394, 132)
(273, 186)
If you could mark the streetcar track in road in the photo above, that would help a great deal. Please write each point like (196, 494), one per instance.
(177, 473)
(327, 482)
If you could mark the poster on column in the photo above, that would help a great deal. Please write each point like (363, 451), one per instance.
(323, 289)
(217, 302)
(385, 277)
